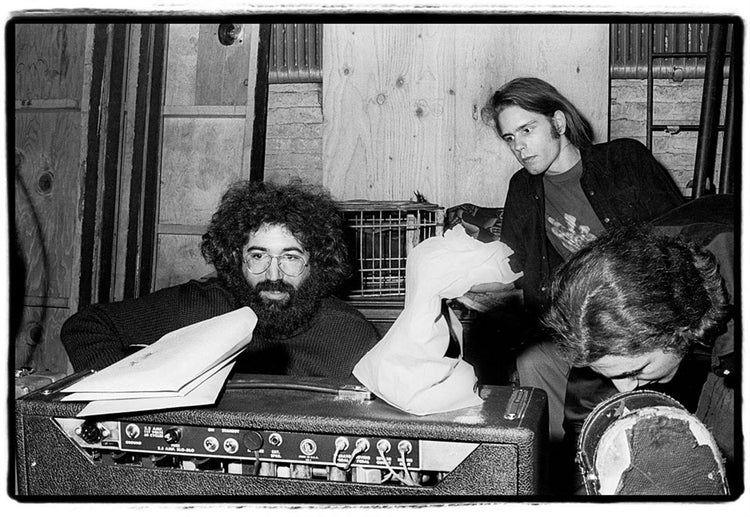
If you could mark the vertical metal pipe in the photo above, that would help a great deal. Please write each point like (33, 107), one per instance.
(650, 87)
(730, 156)
(258, 151)
(705, 156)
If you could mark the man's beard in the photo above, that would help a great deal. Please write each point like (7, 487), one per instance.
(280, 318)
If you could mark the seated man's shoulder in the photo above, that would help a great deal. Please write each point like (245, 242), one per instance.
(204, 287)
(618, 146)
(201, 296)
(340, 314)
(338, 308)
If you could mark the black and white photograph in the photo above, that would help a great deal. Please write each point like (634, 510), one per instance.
(374, 259)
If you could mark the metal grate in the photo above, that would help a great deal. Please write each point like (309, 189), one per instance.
(380, 236)
(629, 57)
(296, 55)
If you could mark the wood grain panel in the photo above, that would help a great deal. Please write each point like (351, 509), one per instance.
(201, 157)
(46, 197)
(179, 258)
(37, 342)
(222, 71)
(49, 61)
(388, 110)
(182, 59)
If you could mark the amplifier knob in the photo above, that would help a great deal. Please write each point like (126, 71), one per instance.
(211, 444)
(173, 435)
(253, 440)
(132, 431)
(231, 445)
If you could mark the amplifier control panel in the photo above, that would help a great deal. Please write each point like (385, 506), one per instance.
(263, 452)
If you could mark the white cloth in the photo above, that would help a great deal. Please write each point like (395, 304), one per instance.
(408, 368)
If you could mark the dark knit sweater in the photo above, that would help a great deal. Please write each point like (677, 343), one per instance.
(333, 342)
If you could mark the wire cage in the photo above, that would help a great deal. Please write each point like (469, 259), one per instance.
(380, 236)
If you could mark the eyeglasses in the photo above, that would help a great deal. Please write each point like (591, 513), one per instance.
(290, 264)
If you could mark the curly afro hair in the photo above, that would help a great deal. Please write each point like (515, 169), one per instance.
(308, 211)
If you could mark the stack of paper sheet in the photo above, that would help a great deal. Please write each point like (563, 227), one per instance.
(187, 367)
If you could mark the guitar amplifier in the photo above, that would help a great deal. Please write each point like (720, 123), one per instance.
(282, 438)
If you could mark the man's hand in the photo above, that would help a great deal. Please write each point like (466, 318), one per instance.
(487, 296)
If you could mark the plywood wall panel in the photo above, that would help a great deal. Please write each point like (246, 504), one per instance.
(52, 76)
(46, 197)
(182, 60)
(388, 109)
(37, 343)
(201, 157)
(49, 61)
(222, 71)
(182, 253)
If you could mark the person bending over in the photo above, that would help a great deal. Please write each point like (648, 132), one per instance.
(639, 308)
(276, 249)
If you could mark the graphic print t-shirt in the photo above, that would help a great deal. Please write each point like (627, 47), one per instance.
(570, 221)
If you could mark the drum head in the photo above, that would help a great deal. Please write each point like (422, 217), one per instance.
(645, 443)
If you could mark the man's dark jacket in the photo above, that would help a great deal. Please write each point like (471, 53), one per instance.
(623, 182)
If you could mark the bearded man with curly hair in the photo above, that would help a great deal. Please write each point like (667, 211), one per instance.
(276, 249)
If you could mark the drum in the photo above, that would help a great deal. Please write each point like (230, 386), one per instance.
(646, 443)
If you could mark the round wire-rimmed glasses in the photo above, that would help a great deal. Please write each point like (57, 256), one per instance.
(290, 264)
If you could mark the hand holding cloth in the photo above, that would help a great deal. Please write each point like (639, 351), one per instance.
(408, 367)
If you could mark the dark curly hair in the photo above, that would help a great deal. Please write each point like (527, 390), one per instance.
(539, 96)
(633, 291)
(308, 211)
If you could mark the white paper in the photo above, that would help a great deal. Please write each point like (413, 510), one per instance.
(91, 396)
(407, 368)
(202, 395)
(177, 359)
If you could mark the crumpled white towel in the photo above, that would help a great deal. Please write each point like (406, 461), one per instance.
(407, 368)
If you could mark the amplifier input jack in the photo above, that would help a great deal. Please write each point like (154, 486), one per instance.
(360, 446)
(92, 432)
(404, 447)
(341, 444)
(383, 446)
(275, 439)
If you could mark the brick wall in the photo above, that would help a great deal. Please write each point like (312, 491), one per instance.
(674, 103)
(294, 133)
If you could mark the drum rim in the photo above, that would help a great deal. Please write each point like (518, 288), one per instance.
(591, 419)
(593, 424)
